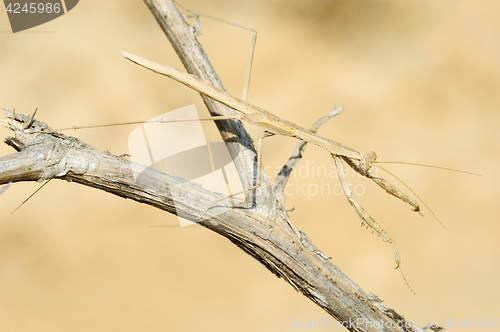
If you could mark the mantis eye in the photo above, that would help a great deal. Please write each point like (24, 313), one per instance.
(367, 160)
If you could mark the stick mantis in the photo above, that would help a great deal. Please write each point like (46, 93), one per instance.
(274, 125)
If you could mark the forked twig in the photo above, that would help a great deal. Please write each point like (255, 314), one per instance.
(287, 253)
(281, 179)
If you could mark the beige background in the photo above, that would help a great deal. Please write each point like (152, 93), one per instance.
(420, 82)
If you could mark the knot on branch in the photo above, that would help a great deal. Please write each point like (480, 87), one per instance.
(41, 143)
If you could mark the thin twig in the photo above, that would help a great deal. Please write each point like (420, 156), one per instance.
(281, 180)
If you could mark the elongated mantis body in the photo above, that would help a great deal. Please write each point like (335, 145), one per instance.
(274, 125)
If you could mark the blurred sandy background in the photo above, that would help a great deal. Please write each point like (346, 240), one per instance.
(420, 81)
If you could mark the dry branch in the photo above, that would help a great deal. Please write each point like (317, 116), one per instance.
(263, 231)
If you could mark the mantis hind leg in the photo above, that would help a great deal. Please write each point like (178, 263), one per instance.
(366, 219)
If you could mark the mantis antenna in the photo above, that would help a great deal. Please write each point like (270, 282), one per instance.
(408, 187)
